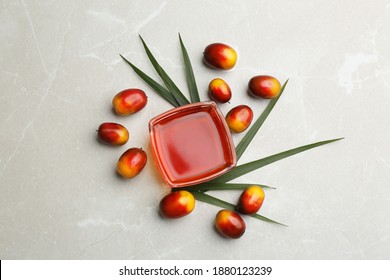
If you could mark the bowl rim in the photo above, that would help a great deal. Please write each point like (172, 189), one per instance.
(221, 121)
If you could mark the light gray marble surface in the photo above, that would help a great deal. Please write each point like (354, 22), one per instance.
(59, 195)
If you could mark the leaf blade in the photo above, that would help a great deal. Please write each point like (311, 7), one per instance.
(190, 77)
(223, 204)
(158, 88)
(251, 166)
(244, 143)
(220, 186)
(171, 86)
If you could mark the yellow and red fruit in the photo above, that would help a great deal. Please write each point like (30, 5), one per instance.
(264, 86)
(239, 118)
(250, 200)
(230, 224)
(129, 101)
(113, 134)
(219, 90)
(131, 162)
(220, 56)
(177, 204)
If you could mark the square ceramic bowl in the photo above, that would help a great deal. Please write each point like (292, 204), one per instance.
(192, 144)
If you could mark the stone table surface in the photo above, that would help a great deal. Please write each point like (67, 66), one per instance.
(60, 197)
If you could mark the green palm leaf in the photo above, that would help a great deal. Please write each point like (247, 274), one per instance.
(190, 77)
(219, 186)
(159, 89)
(241, 147)
(177, 94)
(251, 166)
(223, 204)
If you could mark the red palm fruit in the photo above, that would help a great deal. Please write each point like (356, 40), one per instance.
(250, 200)
(177, 204)
(264, 86)
(239, 118)
(219, 90)
(129, 101)
(131, 163)
(113, 134)
(220, 56)
(230, 224)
